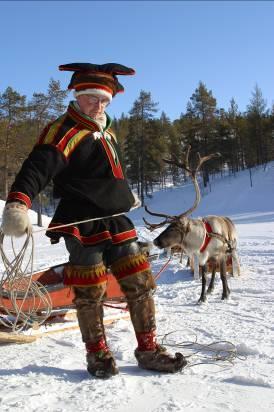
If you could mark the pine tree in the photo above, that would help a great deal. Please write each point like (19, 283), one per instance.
(136, 149)
(12, 111)
(256, 115)
(47, 107)
(44, 108)
(201, 109)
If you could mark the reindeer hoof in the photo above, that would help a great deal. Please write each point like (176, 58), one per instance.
(225, 297)
(209, 291)
(202, 300)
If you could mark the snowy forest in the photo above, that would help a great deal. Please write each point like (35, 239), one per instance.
(146, 136)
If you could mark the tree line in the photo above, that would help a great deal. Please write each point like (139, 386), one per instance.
(244, 139)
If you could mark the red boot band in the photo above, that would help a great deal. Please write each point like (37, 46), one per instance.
(96, 347)
(146, 341)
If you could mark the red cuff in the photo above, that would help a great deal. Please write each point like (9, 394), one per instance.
(97, 347)
(20, 196)
(146, 341)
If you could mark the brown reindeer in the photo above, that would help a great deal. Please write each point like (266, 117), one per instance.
(209, 239)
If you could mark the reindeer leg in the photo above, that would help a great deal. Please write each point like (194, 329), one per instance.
(212, 280)
(203, 294)
(226, 290)
(197, 267)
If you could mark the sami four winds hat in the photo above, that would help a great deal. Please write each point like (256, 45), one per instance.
(98, 78)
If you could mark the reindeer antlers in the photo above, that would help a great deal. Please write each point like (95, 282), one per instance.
(185, 163)
(193, 174)
(152, 226)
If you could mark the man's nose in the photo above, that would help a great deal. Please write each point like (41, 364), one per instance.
(99, 104)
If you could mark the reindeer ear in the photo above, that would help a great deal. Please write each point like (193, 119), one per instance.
(183, 220)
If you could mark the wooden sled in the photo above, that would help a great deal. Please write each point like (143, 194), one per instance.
(63, 316)
(61, 295)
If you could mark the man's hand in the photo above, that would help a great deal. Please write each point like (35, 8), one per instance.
(15, 220)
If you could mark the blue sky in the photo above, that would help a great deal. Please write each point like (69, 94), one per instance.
(171, 44)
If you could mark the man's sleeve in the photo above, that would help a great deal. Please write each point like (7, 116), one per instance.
(44, 162)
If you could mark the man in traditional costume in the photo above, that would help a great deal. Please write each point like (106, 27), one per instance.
(79, 152)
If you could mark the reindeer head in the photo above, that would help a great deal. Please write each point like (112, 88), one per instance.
(178, 225)
(174, 234)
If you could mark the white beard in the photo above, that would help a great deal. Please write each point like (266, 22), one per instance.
(101, 120)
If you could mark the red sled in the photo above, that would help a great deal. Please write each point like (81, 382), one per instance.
(61, 296)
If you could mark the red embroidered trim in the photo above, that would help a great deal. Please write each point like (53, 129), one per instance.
(207, 238)
(87, 240)
(146, 341)
(97, 238)
(20, 196)
(63, 142)
(96, 347)
(92, 85)
(116, 169)
(78, 118)
(77, 281)
(121, 237)
(132, 270)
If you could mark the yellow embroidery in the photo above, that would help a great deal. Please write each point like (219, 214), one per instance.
(85, 272)
(49, 138)
(128, 262)
(73, 142)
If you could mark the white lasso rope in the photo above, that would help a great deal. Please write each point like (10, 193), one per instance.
(218, 353)
(26, 302)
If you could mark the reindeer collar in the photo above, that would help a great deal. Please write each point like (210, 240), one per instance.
(207, 238)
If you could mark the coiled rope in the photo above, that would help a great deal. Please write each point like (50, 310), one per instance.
(21, 298)
(220, 353)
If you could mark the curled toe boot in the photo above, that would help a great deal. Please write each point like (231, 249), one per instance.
(160, 360)
(101, 364)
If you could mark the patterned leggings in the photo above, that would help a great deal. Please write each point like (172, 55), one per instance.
(87, 273)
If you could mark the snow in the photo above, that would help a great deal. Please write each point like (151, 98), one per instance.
(50, 374)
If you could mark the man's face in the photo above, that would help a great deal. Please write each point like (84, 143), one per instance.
(92, 105)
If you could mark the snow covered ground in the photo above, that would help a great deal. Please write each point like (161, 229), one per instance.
(50, 374)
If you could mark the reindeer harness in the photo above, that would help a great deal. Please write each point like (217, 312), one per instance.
(209, 234)
(207, 237)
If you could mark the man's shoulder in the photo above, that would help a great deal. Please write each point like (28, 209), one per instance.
(64, 134)
(52, 129)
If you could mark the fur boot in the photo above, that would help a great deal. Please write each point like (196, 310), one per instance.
(138, 290)
(88, 301)
(160, 360)
(101, 364)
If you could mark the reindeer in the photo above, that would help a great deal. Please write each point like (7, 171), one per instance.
(211, 238)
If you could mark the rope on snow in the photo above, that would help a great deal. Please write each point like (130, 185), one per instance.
(219, 353)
